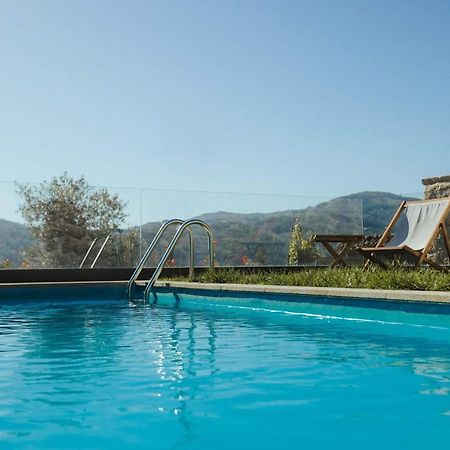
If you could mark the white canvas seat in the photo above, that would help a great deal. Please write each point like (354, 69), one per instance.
(414, 228)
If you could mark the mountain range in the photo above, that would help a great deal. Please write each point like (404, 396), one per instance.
(263, 238)
(14, 238)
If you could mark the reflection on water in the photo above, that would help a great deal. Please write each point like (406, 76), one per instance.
(178, 370)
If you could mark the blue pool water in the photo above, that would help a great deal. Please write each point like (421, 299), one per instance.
(221, 373)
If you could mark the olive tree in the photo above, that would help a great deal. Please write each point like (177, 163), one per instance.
(65, 214)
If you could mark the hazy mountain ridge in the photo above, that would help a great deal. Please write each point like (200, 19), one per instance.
(264, 237)
(14, 238)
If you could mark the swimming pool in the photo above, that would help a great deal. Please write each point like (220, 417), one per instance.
(198, 372)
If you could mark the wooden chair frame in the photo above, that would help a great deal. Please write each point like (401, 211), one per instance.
(348, 241)
(421, 256)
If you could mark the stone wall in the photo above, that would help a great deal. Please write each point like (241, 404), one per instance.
(437, 187)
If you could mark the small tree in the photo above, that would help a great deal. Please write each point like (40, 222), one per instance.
(300, 249)
(65, 215)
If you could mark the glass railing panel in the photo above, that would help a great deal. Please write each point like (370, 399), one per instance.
(252, 229)
(249, 229)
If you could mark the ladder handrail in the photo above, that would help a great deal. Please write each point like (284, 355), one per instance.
(87, 253)
(172, 245)
(151, 247)
(101, 250)
(107, 237)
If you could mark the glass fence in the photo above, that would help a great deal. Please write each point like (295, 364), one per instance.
(249, 229)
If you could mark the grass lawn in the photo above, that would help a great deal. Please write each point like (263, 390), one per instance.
(354, 277)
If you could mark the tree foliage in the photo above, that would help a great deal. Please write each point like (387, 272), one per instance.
(65, 214)
(301, 250)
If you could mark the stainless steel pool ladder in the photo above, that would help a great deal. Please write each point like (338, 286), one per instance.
(152, 246)
(99, 252)
(183, 225)
(173, 243)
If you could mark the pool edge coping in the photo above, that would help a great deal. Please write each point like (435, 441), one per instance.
(376, 294)
(436, 297)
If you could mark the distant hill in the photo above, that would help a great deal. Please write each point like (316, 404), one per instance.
(348, 214)
(14, 237)
(262, 238)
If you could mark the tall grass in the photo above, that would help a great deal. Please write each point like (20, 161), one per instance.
(354, 277)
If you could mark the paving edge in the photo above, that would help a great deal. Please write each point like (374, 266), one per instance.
(378, 294)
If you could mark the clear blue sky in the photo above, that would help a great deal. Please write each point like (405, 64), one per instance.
(320, 98)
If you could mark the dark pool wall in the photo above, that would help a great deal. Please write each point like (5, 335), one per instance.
(62, 292)
(68, 275)
(115, 274)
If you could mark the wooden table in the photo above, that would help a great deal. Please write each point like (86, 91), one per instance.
(347, 242)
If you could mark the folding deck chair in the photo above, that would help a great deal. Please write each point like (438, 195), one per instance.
(418, 224)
